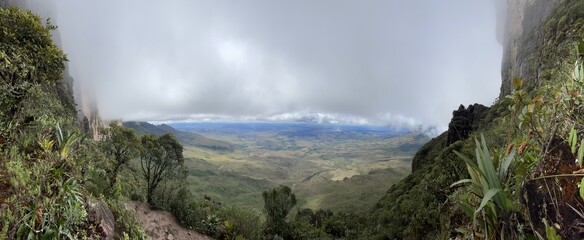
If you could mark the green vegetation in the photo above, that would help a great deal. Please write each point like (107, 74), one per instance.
(488, 177)
(523, 181)
(119, 144)
(161, 158)
(46, 162)
(278, 202)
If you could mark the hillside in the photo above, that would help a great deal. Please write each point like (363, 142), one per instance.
(185, 138)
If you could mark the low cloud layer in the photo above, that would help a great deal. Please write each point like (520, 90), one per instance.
(366, 62)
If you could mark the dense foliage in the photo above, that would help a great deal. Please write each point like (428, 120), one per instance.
(45, 161)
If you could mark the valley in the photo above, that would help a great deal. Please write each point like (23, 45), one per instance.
(341, 167)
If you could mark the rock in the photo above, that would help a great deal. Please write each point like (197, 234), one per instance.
(100, 216)
(460, 126)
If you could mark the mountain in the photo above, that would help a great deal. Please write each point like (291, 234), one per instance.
(185, 138)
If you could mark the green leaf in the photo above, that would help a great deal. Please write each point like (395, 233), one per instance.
(505, 165)
(581, 152)
(488, 196)
(550, 231)
(572, 139)
(467, 209)
(461, 182)
(582, 188)
(517, 82)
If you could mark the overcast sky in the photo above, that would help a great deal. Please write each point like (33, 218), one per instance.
(393, 62)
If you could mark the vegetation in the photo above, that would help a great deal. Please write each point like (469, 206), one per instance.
(45, 162)
(119, 144)
(524, 179)
(278, 203)
(518, 186)
(346, 169)
(52, 176)
(161, 158)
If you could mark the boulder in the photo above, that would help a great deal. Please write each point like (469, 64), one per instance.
(100, 216)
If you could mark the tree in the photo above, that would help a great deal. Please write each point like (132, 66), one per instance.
(120, 144)
(160, 158)
(278, 203)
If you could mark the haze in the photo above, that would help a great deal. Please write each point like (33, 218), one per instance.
(397, 63)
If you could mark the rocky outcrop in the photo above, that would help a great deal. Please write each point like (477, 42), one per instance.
(161, 225)
(460, 126)
(102, 218)
(464, 121)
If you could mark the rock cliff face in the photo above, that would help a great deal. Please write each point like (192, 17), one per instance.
(537, 40)
(523, 33)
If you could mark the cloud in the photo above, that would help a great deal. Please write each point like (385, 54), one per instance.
(376, 62)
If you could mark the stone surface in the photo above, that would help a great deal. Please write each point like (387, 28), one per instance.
(161, 225)
(523, 33)
(460, 126)
(102, 218)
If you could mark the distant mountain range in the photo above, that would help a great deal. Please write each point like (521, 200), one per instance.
(185, 138)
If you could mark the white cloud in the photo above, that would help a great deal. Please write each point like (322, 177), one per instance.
(403, 63)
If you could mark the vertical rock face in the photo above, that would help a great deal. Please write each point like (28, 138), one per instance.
(523, 34)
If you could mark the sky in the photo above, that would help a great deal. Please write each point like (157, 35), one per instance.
(391, 62)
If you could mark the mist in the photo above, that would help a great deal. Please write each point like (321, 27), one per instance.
(397, 63)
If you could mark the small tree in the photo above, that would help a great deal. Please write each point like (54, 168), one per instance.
(120, 144)
(160, 158)
(278, 203)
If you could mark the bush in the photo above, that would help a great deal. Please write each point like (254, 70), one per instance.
(126, 223)
(245, 223)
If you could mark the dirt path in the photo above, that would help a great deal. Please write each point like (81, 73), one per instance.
(161, 225)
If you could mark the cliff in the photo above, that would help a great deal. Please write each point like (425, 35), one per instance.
(536, 40)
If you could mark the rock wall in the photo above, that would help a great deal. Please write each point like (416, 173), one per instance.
(522, 36)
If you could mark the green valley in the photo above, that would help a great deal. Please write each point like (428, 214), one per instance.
(327, 166)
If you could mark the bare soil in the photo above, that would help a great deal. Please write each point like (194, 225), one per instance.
(161, 225)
